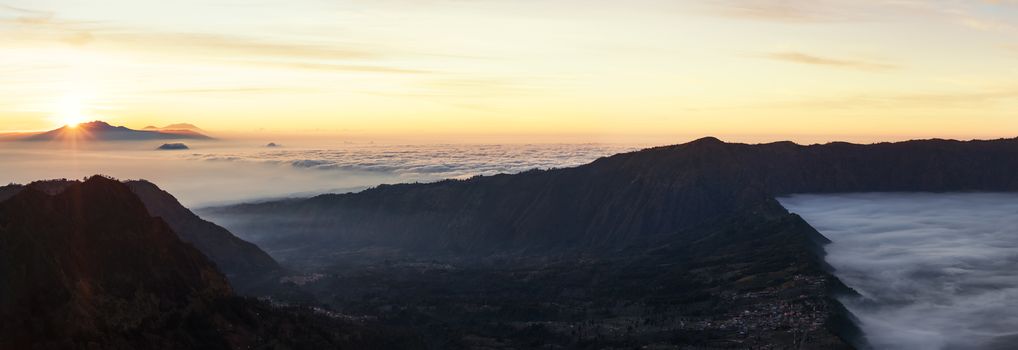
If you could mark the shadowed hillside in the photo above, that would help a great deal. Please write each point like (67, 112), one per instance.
(632, 199)
(248, 268)
(246, 265)
(784, 167)
(89, 262)
(87, 267)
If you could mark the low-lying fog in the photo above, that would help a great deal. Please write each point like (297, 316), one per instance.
(936, 271)
(218, 172)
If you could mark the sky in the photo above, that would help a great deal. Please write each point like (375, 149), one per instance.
(542, 70)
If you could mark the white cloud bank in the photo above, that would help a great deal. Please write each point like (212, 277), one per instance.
(428, 162)
(216, 173)
(936, 271)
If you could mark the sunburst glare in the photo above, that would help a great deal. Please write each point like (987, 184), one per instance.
(69, 111)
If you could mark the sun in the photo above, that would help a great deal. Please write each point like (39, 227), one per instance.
(69, 111)
(72, 121)
(69, 120)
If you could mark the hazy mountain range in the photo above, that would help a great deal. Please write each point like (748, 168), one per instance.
(102, 131)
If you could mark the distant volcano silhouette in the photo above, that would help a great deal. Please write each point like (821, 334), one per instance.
(102, 131)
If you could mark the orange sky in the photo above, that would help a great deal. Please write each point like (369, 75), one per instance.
(566, 70)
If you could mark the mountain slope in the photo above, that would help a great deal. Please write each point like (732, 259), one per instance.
(90, 261)
(244, 263)
(102, 131)
(784, 167)
(627, 199)
(248, 268)
(9, 191)
(607, 206)
(87, 267)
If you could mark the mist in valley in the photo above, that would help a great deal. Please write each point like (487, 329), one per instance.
(934, 271)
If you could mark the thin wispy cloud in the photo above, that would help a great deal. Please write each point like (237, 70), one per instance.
(462, 87)
(790, 10)
(1013, 49)
(771, 12)
(24, 11)
(959, 13)
(804, 58)
(21, 25)
(42, 27)
(227, 90)
(969, 15)
(476, 85)
(211, 44)
(349, 68)
(923, 100)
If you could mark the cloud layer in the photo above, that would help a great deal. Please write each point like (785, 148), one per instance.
(428, 162)
(216, 173)
(936, 271)
(803, 58)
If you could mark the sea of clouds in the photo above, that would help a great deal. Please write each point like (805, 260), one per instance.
(935, 271)
(427, 162)
(215, 173)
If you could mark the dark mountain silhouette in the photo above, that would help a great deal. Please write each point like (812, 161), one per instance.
(248, 268)
(633, 198)
(9, 191)
(172, 147)
(244, 263)
(922, 165)
(87, 267)
(46, 186)
(90, 261)
(101, 131)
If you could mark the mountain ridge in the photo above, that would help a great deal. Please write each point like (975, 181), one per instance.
(244, 263)
(85, 266)
(248, 268)
(704, 171)
(102, 131)
(55, 268)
